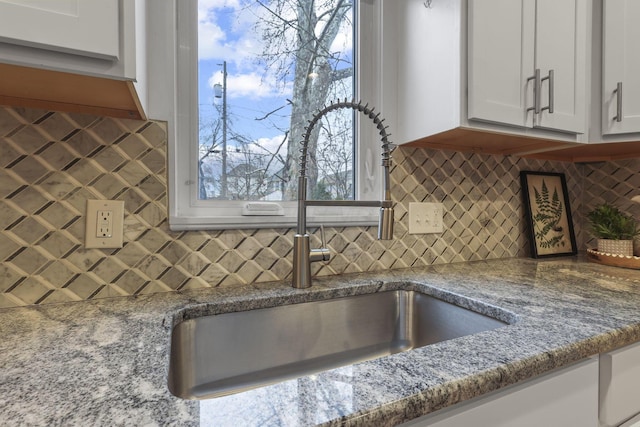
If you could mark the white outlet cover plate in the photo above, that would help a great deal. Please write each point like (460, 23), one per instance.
(91, 239)
(426, 218)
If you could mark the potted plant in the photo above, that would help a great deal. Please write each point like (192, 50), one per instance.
(614, 229)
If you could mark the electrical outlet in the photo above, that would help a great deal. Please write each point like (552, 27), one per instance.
(104, 227)
(104, 224)
(426, 218)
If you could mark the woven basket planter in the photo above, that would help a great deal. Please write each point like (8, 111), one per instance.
(616, 247)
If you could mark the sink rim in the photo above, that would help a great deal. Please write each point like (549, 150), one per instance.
(324, 295)
(255, 299)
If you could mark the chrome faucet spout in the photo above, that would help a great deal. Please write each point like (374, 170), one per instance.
(302, 254)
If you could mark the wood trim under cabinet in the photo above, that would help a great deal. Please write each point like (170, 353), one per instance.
(589, 153)
(60, 91)
(486, 142)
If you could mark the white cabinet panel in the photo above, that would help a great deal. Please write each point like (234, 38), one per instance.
(621, 64)
(568, 397)
(508, 41)
(561, 32)
(501, 45)
(82, 27)
(619, 379)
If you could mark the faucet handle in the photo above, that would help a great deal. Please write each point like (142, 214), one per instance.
(323, 253)
(323, 240)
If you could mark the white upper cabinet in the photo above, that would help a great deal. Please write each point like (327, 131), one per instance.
(621, 67)
(461, 74)
(501, 59)
(561, 56)
(74, 55)
(101, 38)
(82, 27)
(528, 63)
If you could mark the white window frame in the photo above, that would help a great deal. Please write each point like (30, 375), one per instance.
(173, 98)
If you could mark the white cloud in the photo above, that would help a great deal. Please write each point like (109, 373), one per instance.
(233, 39)
(272, 144)
(211, 40)
(251, 85)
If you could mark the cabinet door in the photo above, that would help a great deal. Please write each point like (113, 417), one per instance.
(561, 46)
(567, 397)
(619, 378)
(83, 27)
(500, 59)
(621, 64)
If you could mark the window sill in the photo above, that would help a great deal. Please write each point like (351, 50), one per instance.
(358, 217)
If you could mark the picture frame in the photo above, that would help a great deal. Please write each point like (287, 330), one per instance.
(548, 214)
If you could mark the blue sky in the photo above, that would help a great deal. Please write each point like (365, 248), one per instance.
(226, 33)
(257, 107)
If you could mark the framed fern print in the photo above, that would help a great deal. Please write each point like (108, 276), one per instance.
(548, 214)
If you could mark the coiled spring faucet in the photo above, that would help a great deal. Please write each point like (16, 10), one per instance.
(303, 255)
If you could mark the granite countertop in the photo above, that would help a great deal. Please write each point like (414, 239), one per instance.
(105, 362)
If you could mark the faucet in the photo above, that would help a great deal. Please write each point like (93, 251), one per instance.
(303, 256)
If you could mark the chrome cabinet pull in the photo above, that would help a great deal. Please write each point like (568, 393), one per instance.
(536, 91)
(618, 92)
(551, 90)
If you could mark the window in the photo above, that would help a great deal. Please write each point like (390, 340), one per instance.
(231, 137)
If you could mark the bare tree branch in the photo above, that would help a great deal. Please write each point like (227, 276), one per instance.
(269, 113)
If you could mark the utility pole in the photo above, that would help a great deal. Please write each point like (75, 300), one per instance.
(223, 178)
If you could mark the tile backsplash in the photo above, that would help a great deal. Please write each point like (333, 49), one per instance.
(53, 162)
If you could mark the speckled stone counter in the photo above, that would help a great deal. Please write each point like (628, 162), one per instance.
(106, 362)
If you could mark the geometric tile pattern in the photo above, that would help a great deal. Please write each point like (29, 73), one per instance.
(51, 163)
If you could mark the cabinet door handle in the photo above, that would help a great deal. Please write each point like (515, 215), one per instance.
(551, 90)
(536, 91)
(618, 92)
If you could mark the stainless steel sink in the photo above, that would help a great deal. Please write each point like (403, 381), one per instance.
(223, 354)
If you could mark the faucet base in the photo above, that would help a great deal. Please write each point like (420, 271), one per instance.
(301, 264)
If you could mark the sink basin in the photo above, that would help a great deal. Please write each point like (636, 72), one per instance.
(223, 354)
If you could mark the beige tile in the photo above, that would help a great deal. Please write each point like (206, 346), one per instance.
(29, 230)
(57, 244)
(8, 301)
(58, 215)
(108, 158)
(57, 126)
(84, 143)
(154, 287)
(153, 266)
(174, 278)
(8, 277)
(29, 260)
(107, 130)
(58, 296)
(8, 215)
(133, 146)
(57, 274)
(130, 282)
(29, 170)
(109, 269)
(30, 291)
(29, 140)
(30, 115)
(155, 134)
(8, 153)
(8, 122)
(84, 171)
